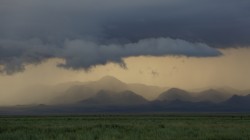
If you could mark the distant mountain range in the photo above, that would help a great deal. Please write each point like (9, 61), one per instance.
(111, 95)
(90, 89)
(78, 92)
(210, 95)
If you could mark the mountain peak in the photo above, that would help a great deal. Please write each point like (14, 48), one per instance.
(109, 83)
(173, 90)
(175, 93)
(213, 95)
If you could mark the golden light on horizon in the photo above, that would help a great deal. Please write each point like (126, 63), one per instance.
(230, 70)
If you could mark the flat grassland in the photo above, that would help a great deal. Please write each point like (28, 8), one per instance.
(125, 127)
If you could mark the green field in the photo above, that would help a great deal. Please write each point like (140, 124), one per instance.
(125, 127)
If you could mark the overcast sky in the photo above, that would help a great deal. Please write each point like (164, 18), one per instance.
(150, 41)
(86, 33)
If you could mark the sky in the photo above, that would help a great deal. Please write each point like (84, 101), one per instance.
(189, 44)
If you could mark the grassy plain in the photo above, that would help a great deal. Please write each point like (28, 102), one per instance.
(125, 127)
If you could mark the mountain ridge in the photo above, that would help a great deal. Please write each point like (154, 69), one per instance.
(104, 97)
(235, 104)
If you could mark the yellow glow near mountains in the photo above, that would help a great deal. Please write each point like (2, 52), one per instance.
(230, 70)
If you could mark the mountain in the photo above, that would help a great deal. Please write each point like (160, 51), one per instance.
(112, 98)
(74, 94)
(129, 102)
(113, 84)
(181, 106)
(148, 92)
(108, 83)
(175, 94)
(236, 103)
(238, 100)
(212, 96)
(78, 91)
(82, 91)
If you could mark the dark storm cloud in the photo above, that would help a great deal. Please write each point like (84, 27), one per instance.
(15, 54)
(89, 32)
(215, 22)
(84, 54)
(219, 23)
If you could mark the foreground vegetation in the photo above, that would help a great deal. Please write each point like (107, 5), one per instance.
(125, 127)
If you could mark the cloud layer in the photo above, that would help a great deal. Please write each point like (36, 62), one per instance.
(85, 33)
(83, 54)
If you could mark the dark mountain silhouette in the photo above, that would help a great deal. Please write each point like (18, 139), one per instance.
(127, 101)
(237, 100)
(212, 95)
(111, 98)
(175, 94)
(182, 106)
(236, 103)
